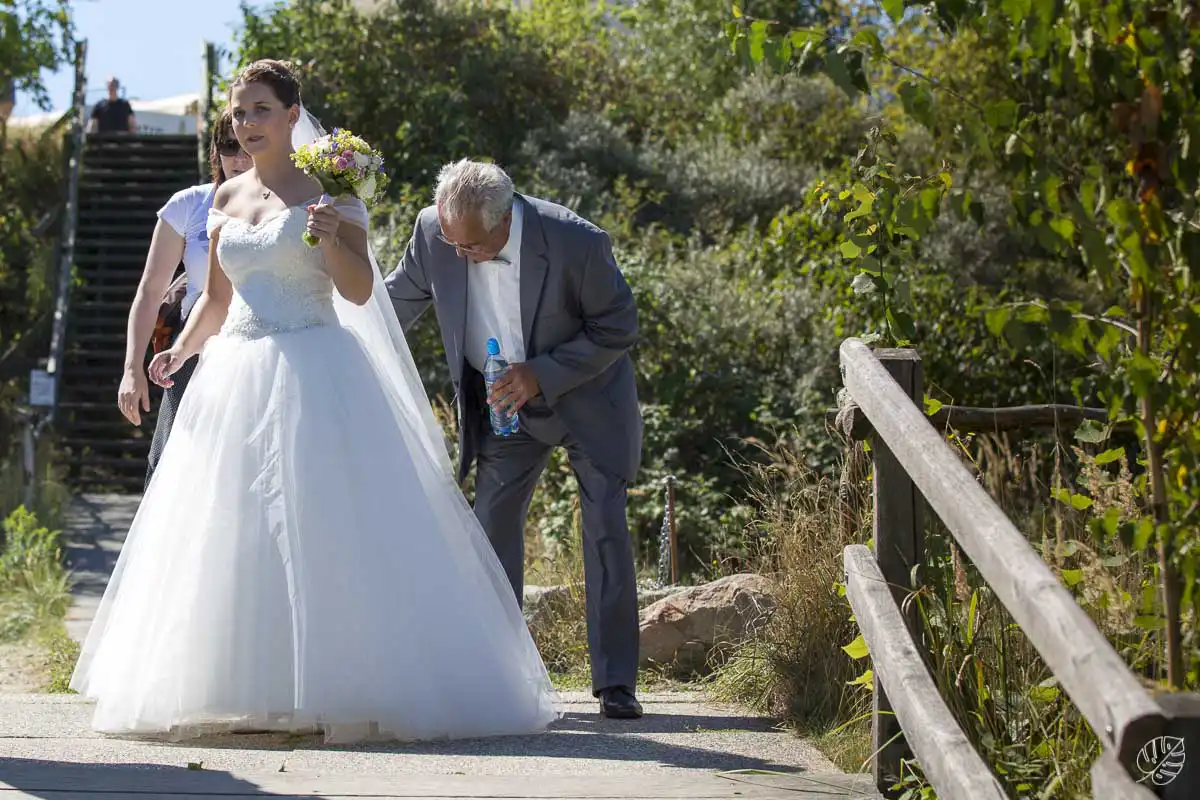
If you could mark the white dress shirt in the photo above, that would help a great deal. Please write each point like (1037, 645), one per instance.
(494, 301)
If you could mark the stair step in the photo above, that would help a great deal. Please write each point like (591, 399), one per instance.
(153, 188)
(122, 484)
(133, 462)
(121, 425)
(111, 175)
(99, 260)
(139, 445)
(122, 213)
(112, 360)
(126, 289)
(98, 306)
(106, 371)
(82, 319)
(110, 245)
(110, 273)
(126, 229)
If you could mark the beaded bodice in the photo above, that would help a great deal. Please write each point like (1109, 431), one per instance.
(279, 282)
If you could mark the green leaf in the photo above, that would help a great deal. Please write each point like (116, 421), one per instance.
(845, 68)
(1016, 10)
(1001, 114)
(1095, 250)
(757, 38)
(1148, 622)
(1142, 534)
(867, 679)
(1043, 694)
(857, 649)
(997, 318)
(869, 39)
(1071, 577)
(1109, 456)
(1079, 502)
(1064, 228)
(894, 9)
(903, 322)
(1091, 432)
(866, 202)
(972, 612)
(932, 406)
(849, 249)
(918, 102)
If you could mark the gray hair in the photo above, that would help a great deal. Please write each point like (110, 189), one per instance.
(468, 186)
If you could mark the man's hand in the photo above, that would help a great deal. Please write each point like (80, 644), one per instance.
(518, 386)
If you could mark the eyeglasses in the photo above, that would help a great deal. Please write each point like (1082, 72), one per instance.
(461, 247)
(229, 147)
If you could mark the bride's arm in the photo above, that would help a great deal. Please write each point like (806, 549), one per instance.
(210, 311)
(345, 247)
(206, 319)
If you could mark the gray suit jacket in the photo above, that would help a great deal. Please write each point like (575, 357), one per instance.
(578, 319)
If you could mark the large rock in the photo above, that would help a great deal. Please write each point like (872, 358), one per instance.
(681, 630)
(543, 603)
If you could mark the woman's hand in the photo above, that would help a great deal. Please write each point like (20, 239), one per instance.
(133, 396)
(164, 365)
(323, 222)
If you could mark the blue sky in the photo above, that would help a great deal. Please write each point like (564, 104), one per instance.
(153, 46)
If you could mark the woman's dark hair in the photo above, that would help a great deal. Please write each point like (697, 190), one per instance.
(222, 138)
(279, 75)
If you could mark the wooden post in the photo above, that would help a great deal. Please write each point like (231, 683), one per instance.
(673, 531)
(899, 533)
(204, 111)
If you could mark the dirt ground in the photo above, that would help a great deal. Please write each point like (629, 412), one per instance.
(20, 668)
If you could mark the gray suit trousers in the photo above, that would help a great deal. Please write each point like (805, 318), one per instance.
(507, 471)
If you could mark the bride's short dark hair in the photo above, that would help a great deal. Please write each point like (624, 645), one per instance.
(279, 75)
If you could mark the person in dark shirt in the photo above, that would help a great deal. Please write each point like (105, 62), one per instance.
(113, 115)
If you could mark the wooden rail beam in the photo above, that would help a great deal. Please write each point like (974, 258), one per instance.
(1120, 710)
(976, 419)
(946, 755)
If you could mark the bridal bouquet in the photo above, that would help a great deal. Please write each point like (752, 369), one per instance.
(344, 164)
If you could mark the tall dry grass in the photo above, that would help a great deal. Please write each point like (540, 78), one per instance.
(794, 667)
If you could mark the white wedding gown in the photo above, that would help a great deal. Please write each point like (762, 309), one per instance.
(303, 558)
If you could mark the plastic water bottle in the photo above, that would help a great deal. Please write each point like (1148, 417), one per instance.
(504, 423)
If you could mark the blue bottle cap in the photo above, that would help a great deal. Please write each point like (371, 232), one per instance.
(493, 347)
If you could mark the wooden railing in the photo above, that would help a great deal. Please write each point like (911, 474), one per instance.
(66, 250)
(913, 465)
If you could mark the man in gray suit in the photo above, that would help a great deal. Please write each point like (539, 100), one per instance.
(543, 282)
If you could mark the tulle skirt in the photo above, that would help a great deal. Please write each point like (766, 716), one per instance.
(299, 562)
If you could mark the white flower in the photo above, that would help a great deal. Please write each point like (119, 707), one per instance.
(361, 160)
(367, 187)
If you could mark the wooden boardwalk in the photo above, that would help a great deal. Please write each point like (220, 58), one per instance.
(685, 746)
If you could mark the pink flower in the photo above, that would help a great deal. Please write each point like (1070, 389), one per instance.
(341, 163)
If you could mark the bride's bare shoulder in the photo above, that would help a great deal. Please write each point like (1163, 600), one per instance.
(234, 193)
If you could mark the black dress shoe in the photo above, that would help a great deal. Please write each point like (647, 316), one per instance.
(617, 702)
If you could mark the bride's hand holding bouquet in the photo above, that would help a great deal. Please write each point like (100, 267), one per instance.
(344, 165)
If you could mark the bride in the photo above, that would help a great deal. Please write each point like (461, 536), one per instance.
(302, 558)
